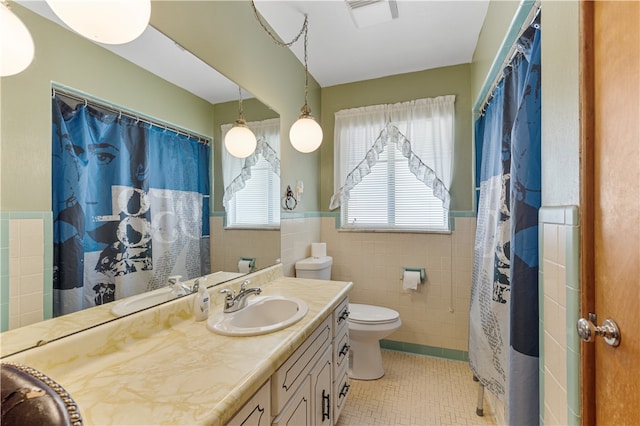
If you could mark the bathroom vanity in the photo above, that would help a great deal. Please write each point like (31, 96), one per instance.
(160, 366)
(310, 387)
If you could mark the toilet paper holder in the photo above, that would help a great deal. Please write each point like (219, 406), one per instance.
(251, 260)
(421, 270)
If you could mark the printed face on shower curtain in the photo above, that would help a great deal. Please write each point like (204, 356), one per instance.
(103, 208)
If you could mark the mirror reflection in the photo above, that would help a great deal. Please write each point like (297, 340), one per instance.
(66, 59)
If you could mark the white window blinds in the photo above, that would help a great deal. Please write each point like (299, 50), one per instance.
(252, 185)
(393, 165)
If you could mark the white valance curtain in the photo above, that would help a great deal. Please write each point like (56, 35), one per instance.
(236, 171)
(422, 129)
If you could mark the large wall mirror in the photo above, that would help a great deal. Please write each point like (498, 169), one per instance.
(64, 58)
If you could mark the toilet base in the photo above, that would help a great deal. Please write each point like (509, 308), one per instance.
(365, 362)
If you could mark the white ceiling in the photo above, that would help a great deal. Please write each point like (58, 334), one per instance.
(427, 34)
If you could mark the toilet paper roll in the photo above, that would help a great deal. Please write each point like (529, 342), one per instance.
(410, 280)
(318, 249)
(244, 266)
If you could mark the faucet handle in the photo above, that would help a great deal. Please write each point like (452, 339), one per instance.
(174, 279)
(229, 293)
(244, 285)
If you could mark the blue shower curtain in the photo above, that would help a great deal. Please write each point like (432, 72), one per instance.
(503, 334)
(130, 206)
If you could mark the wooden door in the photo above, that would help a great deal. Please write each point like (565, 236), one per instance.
(610, 203)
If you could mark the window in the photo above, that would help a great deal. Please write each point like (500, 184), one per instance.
(252, 185)
(256, 205)
(393, 165)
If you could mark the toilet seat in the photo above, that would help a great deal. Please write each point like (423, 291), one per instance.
(368, 314)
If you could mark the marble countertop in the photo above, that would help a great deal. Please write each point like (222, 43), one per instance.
(22, 338)
(160, 366)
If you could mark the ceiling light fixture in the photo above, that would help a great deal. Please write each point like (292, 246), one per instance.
(104, 21)
(240, 140)
(16, 43)
(305, 134)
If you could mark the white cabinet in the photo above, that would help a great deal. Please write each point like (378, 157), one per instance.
(297, 411)
(310, 387)
(340, 390)
(288, 378)
(322, 390)
(257, 411)
(340, 358)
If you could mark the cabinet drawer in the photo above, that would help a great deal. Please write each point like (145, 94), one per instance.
(257, 411)
(340, 315)
(296, 368)
(341, 390)
(340, 351)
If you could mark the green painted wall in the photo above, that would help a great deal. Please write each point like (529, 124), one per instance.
(453, 80)
(68, 59)
(494, 29)
(226, 35)
(560, 103)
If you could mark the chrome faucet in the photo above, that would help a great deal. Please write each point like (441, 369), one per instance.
(233, 302)
(179, 288)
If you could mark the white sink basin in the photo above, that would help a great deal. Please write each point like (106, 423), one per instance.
(141, 301)
(263, 314)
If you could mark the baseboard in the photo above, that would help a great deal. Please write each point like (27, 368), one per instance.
(414, 348)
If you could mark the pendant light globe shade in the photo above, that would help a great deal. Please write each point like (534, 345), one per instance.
(104, 21)
(240, 141)
(305, 134)
(16, 44)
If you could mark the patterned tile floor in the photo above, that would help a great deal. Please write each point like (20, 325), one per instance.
(416, 390)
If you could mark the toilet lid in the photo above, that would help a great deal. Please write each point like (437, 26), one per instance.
(368, 314)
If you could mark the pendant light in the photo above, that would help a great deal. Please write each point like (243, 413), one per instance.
(104, 21)
(240, 140)
(305, 134)
(16, 44)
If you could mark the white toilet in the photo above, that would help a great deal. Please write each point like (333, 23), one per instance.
(317, 268)
(367, 324)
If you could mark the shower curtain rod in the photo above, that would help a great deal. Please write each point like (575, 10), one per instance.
(511, 54)
(90, 100)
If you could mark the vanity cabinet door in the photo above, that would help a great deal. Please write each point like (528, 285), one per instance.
(298, 411)
(257, 411)
(297, 367)
(322, 391)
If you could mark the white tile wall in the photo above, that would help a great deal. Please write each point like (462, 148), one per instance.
(26, 271)
(555, 324)
(560, 300)
(560, 228)
(228, 246)
(297, 234)
(437, 314)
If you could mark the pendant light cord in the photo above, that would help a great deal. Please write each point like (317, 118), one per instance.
(240, 121)
(304, 30)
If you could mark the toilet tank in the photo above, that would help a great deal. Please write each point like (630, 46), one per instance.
(317, 268)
